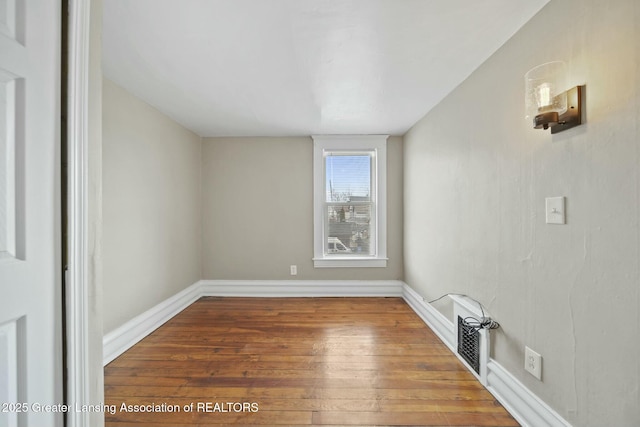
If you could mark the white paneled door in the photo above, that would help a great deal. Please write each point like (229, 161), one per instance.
(30, 273)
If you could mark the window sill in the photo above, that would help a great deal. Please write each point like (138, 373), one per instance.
(349, 262)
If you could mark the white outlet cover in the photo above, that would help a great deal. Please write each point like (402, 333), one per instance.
(533, 363)
(555, 210)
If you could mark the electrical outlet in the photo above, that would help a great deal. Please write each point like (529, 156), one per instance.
(533, 363)
(294, 270)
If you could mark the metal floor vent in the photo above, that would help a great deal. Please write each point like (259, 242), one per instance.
(469, 344)
(472, 344)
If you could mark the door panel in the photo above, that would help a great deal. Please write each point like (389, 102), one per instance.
(11, 96)
(30, 282)
(11, 20)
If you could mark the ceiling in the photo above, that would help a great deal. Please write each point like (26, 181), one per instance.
(301, 67)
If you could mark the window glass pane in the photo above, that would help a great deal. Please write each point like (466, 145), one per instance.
(348, 178)
(349, 200)
(349, 229)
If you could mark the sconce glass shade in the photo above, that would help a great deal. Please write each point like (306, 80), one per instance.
(545, 98)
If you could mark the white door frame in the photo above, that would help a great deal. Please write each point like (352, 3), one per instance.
(80, 280)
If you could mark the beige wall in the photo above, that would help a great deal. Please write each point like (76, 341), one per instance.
(178, 208)
(476, 178)
(151, 206)
(95, 309)
(258, 211)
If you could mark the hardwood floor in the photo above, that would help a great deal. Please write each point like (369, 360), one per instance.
(296, 361)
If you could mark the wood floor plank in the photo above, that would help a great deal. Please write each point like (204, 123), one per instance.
(298, 361)
(125, 376)
(444, 364)
(351, 405)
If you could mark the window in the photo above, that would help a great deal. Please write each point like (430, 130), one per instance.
(350, 201)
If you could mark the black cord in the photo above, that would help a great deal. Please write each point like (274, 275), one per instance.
(476, 324)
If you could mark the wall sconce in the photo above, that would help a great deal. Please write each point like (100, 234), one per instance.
(544, 101)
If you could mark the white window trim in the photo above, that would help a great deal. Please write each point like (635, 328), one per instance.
(377, 143)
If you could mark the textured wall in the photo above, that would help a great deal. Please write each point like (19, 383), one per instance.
(476, 178)
(95, 294)
(152, 206)
(258, 211)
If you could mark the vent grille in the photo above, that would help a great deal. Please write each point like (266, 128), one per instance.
(469, 344)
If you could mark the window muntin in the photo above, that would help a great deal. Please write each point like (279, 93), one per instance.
(349, 201)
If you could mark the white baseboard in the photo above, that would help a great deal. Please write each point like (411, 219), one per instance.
(121, 339)
(301, 288)
(438, 323)
(527, 408)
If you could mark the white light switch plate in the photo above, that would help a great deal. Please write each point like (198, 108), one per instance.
(555, 211)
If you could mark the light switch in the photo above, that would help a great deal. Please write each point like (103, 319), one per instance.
(555, 212)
